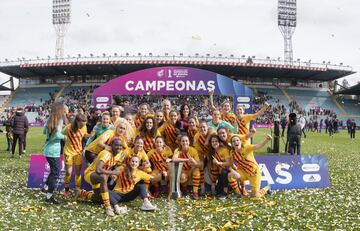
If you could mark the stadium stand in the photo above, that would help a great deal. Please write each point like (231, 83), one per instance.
(34, 96)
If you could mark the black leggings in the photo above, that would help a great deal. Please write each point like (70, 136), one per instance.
(139, 190)
(17, 137)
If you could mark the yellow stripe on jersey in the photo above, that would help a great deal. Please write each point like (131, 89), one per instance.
(125, 185)
(73, 144)
(158, 159)
(108, 158)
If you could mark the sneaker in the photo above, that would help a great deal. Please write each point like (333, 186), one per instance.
(109, 212)
(195, 196)
(20, 156)
(221, 196)
(66, 194)
(269, 191)
(235, 196)
(44, 190)
(120, 209)
(76, 193)
(147, 206)
(52, 200)
(24, 152)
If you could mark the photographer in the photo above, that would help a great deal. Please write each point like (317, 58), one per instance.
(293, 135)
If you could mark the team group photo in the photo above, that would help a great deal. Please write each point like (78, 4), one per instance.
(153, 116)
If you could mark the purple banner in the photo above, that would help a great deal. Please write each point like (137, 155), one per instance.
(281, 172)
(172, 81)
(39, 170)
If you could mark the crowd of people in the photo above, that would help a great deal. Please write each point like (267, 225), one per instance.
(128, 150)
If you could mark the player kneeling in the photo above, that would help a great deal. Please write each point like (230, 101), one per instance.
(191, 166)
(99, 171)
(245, 167)
(129, 185)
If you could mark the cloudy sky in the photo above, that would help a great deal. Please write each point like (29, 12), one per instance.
(326, 30)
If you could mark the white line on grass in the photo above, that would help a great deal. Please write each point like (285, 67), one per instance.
(172, 212)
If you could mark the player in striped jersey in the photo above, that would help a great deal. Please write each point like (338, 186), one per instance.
(245, 167)
(159, 159)
(74, 133)
(192, 129)
(190, 167)
(226, 113)
(169, 131)
(225, 136)
(129, 186)
(138, 150)
(104, 140)
(243, 120)
(144, 111)
(201, 145)
(219, 161)
(148, 131)
(98, 173)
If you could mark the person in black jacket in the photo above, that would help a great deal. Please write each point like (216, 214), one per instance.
(8, 130)
(294, 135)
(20, 126)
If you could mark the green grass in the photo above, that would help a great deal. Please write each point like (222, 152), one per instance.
(325, 209)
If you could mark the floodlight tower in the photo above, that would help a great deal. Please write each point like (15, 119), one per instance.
(61, 21)
(287, 24)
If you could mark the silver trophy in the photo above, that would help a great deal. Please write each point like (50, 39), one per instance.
(175, 174)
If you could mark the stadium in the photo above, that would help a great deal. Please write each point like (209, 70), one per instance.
(306, 88)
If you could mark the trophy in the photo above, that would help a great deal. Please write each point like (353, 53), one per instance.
(175, 174)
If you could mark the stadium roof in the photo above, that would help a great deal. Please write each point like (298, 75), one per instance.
(231, 67)
(354, 90)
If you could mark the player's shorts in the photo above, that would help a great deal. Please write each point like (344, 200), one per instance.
(255, 181)
(71, 159)
(87, 178)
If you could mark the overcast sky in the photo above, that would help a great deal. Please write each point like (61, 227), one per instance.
(326, 30)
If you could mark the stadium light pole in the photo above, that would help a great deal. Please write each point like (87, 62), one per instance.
(61, 20)
(287, 24)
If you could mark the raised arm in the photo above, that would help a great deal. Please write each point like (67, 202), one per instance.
(263, 143)
(262, 110)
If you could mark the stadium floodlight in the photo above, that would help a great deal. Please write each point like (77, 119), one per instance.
(231, 56)
(207, 55)
(61, 16)
(181, 54)
(127, 54)
(104, 55)
(287, 24)
(115, 54)
(196, 54)
(150, 54)
(166, 54)
(243, 56)
(49, 57)
(340, 63)
(268, 57)
(139, 54)
(79, 55)
(220, 55)
(6, 60)
(253, 57)
(91, 55)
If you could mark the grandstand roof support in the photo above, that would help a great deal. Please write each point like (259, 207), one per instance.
(61, 21)
(287, 24)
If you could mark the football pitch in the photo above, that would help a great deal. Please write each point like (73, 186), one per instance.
(337, 207)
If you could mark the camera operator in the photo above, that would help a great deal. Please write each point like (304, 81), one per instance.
(293, 135)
